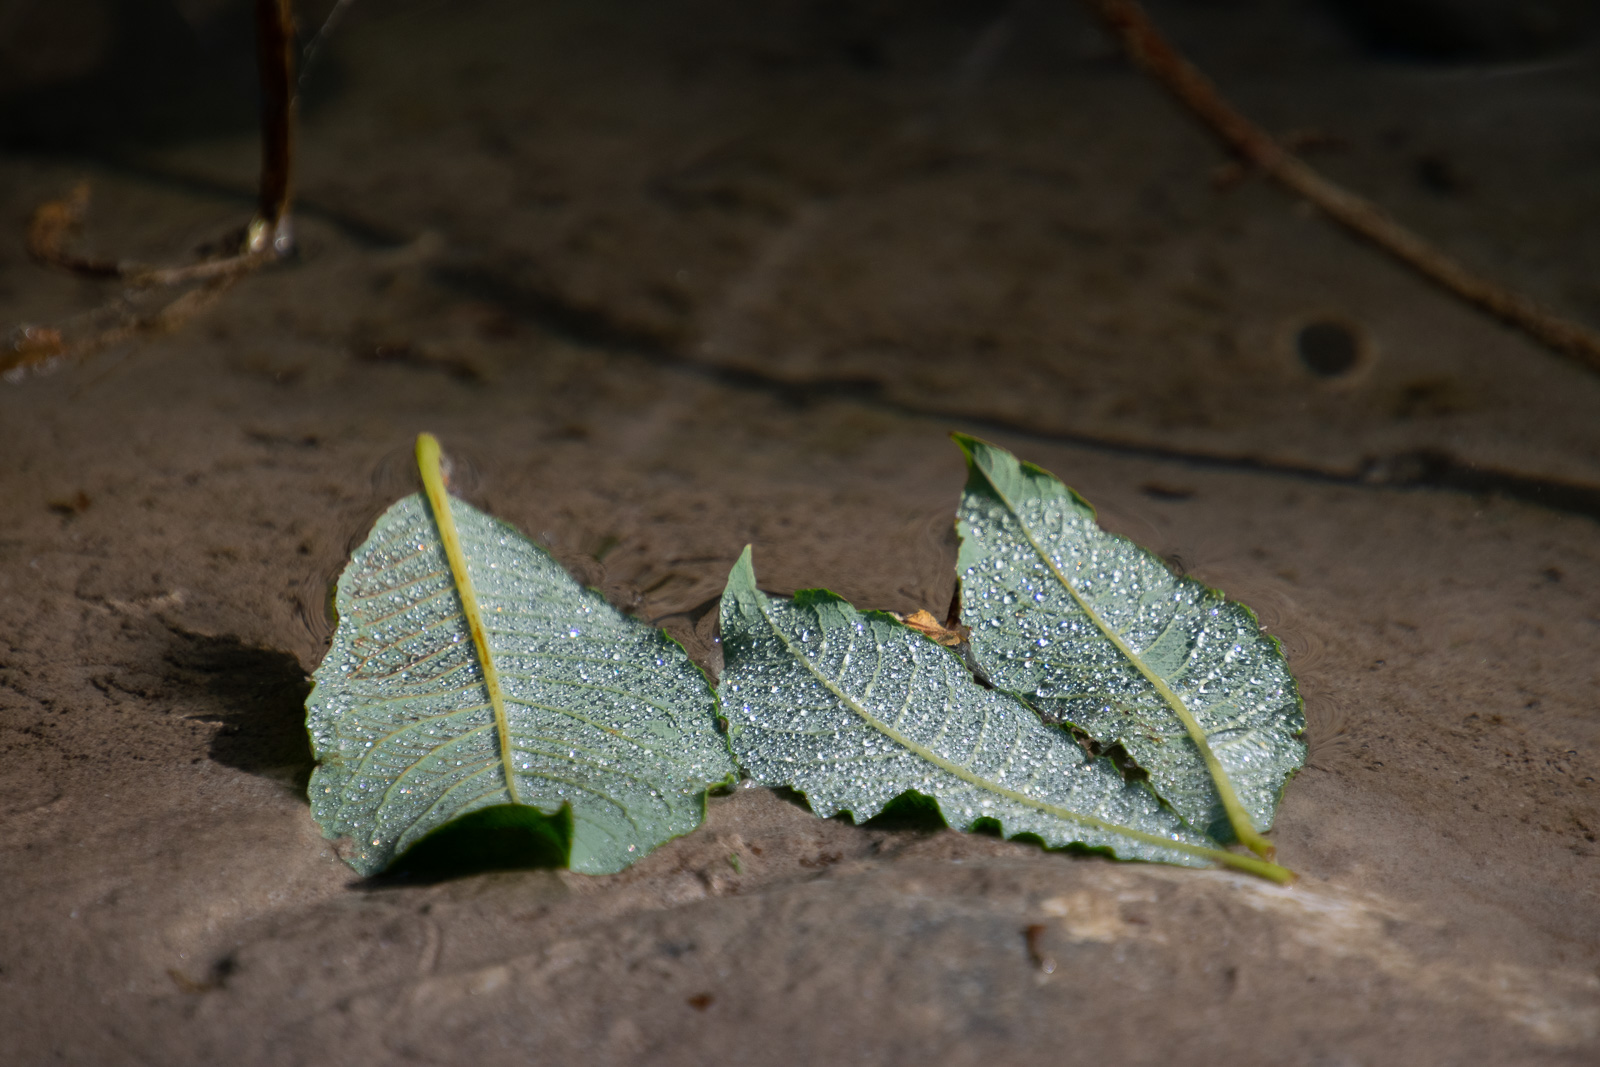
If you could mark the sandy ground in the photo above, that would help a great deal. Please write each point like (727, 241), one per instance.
(670, 279)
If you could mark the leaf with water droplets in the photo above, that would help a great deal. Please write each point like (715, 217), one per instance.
(856, 710)
(1096, 632)
(471, 676)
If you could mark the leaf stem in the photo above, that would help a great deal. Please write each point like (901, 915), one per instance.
(429, 466)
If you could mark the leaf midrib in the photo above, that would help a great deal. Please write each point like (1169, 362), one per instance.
(1243, 828)
(428, 462)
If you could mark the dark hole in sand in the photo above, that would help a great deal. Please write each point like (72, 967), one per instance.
(1328, 349)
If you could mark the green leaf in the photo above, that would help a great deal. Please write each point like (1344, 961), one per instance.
(469, 671)
(1096, 632)
(856, 710)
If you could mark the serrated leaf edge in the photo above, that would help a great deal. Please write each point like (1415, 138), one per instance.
(1243, 828)
(744, 569)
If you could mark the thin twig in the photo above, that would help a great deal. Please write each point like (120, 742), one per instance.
(314, 48)
(1145, 44)
(38, 349)
(270, 235)
(55, 221)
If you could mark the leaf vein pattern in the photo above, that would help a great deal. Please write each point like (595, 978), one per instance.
(400, 700)
(1201, 669)
(773, 679)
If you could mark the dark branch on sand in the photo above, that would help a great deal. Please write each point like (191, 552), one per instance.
(1145, 44)
(269, 237)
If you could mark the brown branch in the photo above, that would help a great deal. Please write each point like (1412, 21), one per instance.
(1144, 43)
(38, 349)
(270, 235)
(55, 221)
(275, 51)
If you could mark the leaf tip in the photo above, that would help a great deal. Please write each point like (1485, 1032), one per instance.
(978, 453)
(966, 442)
(1276, 874)
(741, 588)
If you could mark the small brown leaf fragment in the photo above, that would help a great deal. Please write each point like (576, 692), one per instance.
(53, 223)
(186, 984)
(1034, 936)
(33, 348)
(75, 504)
(924, 623)
(701, 1001)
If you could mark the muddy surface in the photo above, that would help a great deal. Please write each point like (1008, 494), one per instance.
(672, 279)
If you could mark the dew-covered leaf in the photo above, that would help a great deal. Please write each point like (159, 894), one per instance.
(563, 702)
(1096, 632)
(855, 710)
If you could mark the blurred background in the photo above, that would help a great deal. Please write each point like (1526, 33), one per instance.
(966, 208)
